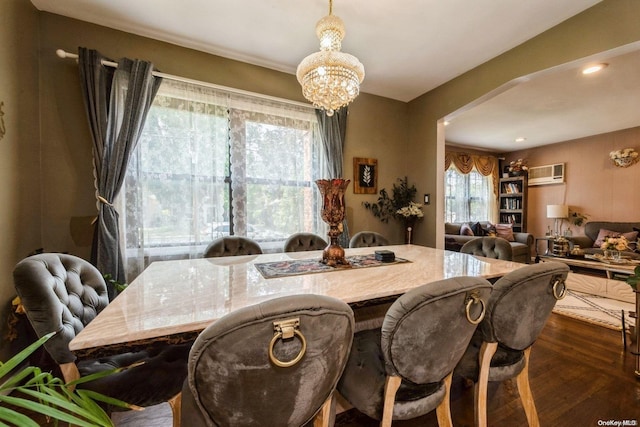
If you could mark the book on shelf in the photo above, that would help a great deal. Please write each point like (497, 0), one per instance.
(512, 204)
(511, 188)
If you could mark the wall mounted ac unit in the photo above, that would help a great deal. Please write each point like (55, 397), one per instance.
(549, 174)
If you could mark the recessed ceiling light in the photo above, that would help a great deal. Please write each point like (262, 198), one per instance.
(447, 122)
(521, 139)
(594, 68)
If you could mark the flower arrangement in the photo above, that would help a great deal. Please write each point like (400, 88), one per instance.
(411, 210)
(614, 243)
(623, 154)
(518, 165)
(624, 158)
(400, 206)
(402, 197)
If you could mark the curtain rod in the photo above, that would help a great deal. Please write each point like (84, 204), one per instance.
(64, 54)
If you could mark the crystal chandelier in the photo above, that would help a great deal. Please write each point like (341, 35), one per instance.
(330, 79)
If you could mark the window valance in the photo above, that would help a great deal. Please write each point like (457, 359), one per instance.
(465, 163)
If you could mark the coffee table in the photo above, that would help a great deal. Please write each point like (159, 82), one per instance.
(597, 277)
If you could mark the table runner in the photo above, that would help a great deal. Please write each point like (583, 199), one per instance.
(295, 267)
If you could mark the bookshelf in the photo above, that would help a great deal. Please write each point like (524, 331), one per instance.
(513, 202)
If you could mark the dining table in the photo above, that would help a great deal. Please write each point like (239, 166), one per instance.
(173, 301)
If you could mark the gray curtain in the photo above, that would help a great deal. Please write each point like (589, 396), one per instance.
(332, 131)
(116, 102)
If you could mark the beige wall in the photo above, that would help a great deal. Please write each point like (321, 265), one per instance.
(19, 148)
(593, 185)
(607, 25)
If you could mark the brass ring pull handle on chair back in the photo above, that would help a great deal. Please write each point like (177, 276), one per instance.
(472, 300)
(559, 288)
(287, 329)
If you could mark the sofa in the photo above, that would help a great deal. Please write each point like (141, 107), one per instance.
(520, 246)
(594, 229)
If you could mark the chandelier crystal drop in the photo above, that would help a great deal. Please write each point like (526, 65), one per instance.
(330, 79)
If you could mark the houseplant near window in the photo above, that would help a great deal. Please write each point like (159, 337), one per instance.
(400, 205)
(49, 396)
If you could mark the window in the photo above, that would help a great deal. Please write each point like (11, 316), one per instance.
(468, 197)
(210, 164)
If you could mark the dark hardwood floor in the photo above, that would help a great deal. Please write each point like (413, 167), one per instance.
(580, 376)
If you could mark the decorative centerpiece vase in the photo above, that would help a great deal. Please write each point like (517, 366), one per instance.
(332, 191)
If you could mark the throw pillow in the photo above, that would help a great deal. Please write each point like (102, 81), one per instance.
(465, 230)
(505, 231)
(631, 237)
(489, 229)
(477, 229)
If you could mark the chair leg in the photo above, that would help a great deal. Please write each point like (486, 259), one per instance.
(176, 408)
(327, 413)
(487, 350)
(443, 411)
(522, 381)
(391, 386)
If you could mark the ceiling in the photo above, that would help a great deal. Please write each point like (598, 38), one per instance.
(553, 106)
(407, 49)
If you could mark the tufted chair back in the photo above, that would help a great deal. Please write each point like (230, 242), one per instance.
(232, 246)
(518, 309)
(364, 239)
(404, 369)
(300, 242)
(60, 293)
(489, 247)
(234, 376)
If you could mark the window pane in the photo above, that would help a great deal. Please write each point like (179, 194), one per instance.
(209, 164)
(181, 165)
(467, 197)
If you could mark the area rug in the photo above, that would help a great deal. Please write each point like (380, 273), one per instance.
(595, 309)
(295, 267)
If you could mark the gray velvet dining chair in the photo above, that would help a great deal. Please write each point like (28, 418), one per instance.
(489, 247)
(62, 293)
(276, 363)
(364, 239)
(404, 369)
(232, 246)
(517, 310)
(301, 242)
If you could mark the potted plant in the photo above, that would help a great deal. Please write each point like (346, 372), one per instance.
(41, 393)
(577, 218)
(400, 205)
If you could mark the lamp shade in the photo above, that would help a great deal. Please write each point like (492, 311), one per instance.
(557, 211)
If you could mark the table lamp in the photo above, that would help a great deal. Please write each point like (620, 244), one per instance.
(557, 212)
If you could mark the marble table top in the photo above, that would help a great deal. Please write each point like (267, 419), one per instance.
(171, 298)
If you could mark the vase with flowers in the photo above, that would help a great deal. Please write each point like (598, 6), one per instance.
(400, 205)
(410, 214)
(612, 246)
(518, 167)
(624, 158)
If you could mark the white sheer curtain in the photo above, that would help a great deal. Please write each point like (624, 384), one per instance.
(469, 197)
(211, 163)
